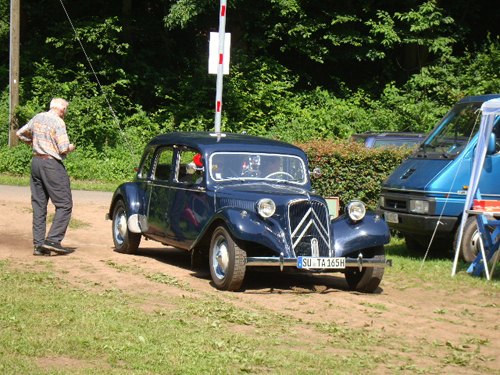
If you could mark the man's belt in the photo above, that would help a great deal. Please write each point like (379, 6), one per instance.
(44, 156)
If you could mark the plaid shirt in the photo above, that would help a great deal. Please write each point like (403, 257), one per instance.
(47, 132)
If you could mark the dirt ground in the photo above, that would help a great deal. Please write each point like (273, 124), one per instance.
(414, 314)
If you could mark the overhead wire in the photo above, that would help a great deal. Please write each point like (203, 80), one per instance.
(115, 117)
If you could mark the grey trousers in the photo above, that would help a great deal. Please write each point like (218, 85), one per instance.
(49, 179)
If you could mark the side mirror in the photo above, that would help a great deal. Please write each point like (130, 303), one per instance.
(191, 168)
(491, 144)
(316, 173)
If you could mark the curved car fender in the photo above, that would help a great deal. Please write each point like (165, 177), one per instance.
(349, 236)
(248, 226)
(135, 200)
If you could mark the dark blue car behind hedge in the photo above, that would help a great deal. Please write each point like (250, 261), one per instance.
(244, 201)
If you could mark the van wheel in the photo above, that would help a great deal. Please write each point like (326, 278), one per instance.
(227, 261)
(368, 280)
(470, 240)
(125, 241)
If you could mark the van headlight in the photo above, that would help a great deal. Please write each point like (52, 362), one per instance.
(356, 210)
(266, 207)
(418, 206)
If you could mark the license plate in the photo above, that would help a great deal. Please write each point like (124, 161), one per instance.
(391, 217)
(320, 263)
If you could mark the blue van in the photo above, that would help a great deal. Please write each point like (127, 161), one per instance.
(424, 197)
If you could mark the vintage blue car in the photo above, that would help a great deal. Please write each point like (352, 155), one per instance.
(244, 201)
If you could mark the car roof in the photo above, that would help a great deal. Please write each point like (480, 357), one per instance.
(398, 135)
(208, 143)
(479, 98)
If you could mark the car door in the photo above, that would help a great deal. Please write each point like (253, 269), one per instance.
(189, 206)
(161, 179)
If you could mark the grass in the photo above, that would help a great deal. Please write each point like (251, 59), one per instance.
(42, 317)
(411, 269)
(49, 326)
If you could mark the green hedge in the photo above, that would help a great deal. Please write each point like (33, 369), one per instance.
(111, 166)
(350, 170)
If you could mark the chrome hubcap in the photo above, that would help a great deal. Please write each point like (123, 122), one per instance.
(220, 259)
(120, 227)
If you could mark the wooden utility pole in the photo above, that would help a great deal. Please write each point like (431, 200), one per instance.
(15, 6)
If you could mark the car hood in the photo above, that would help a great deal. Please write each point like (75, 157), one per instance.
(415, 174)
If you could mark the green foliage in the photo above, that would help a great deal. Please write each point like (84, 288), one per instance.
(16, 161)
(84, 164)
(350, 170)
(258, 92)
(416, 26)
(90, 165)
(474, 73)
(299, 70)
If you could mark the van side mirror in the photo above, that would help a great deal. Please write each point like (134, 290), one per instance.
(491, 144)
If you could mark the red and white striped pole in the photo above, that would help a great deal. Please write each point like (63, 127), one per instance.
(220, 67)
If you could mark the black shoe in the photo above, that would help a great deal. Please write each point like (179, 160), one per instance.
(56, 247)
(41, 252)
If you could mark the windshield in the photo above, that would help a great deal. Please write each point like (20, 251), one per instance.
(257, 166)
(397, 143)
(454, 131)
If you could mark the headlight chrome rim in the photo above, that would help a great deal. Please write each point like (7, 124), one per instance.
(356, 210)
(266, 207)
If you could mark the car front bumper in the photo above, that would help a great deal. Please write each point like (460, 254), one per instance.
(282, 262)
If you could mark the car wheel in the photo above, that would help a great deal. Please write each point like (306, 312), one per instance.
(125, 241)
(470, 240)
(367, 280)
(227, 261)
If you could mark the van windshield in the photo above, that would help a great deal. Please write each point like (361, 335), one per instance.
(453, 133)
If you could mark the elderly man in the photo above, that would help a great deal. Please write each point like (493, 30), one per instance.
(46, 133)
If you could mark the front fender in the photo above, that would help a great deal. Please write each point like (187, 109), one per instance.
(135, 200)
(248, 226)
(349, 236)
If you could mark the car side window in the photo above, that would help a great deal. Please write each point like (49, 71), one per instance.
(190, 156)
(146, 165)
(164, 161)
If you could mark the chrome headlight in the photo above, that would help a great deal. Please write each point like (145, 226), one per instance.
(266, 207)
(419, 206)
(356, 210)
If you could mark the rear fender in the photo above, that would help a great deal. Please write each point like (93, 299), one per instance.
(349, 236)
(135, 200)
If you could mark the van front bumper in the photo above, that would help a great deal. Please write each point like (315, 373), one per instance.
(419, 224)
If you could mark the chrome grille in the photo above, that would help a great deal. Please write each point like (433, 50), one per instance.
(309, 228)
